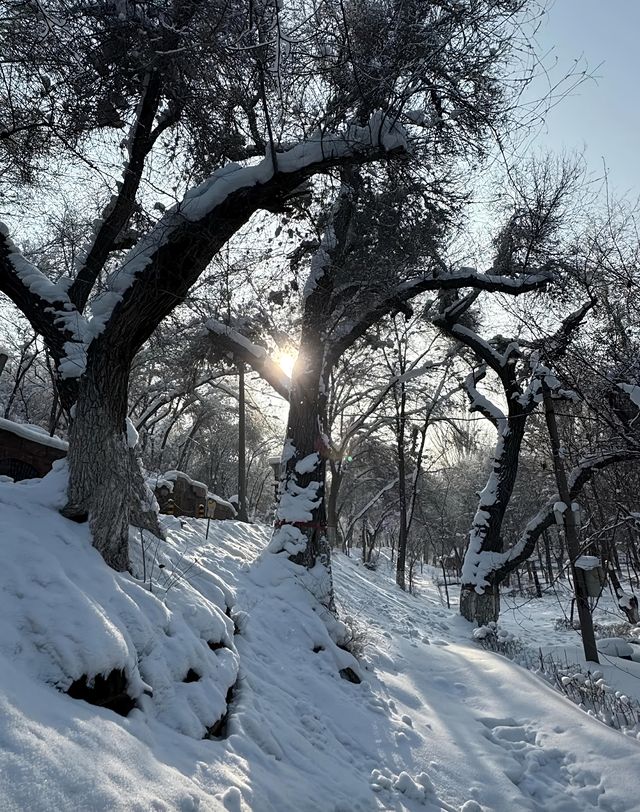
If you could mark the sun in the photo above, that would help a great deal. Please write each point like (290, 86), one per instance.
(287, 362)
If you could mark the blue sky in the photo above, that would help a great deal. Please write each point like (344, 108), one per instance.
(601, 117)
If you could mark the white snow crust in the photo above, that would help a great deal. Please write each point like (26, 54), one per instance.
(30, 432)
(437, 723)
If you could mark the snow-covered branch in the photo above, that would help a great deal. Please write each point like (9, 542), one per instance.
(165, 263)
(497, 565)
(479, 403)
(396, 299)
(555, 346)
(228, 340)
(45, 304)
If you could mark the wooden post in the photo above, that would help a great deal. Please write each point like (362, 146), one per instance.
(446, 586)
(571, 533)
(242, 448)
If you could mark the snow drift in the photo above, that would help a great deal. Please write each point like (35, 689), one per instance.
(436, 722)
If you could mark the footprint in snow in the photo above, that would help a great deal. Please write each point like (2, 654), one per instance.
(448, 687)
(547, 776)
(232, 799)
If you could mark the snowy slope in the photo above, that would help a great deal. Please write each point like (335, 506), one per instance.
(437, 723)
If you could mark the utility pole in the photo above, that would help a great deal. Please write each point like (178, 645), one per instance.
(242, 449)
(571, 532)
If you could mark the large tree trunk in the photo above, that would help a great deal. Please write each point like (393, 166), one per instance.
(486, 531)
(100, 481)
(106, 484)
(480, 607)
(301, 521)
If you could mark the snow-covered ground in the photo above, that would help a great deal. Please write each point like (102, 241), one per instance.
(436, 723)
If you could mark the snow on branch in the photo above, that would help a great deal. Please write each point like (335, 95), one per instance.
(45, 304)
(230, 341)
(169, 259)
(480, 347)
(494, 566)
(395, 299)
(555, 346)
(320, 261)
(479, 403)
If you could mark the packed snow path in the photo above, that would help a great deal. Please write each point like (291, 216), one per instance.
(436, 723)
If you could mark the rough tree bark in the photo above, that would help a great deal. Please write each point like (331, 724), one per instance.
(100, 475)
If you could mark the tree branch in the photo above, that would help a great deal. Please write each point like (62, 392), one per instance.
(545, 518)
(157, 274)
(397, 299)
(228, 340)
(44, 304)
(121, 207)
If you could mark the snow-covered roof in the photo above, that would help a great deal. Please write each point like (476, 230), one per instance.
(168, 479)
(34, 433)
(172, 476)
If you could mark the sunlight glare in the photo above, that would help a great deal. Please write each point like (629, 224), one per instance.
(287, 361)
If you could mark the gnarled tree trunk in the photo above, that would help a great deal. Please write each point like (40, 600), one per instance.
(106, 484)
(481, 604)
(100, 480)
